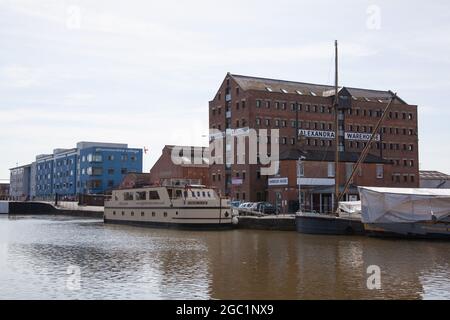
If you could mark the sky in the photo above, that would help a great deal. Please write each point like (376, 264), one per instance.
(142, 72)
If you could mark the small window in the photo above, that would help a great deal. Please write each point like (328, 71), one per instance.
(153, 214)
(132, 213)
(153, 195)
(123, 213)
(141, 195)
(114, 213)
(128, 196)
(331, 169)
(380, 171)
(165, 214)
(142, 214)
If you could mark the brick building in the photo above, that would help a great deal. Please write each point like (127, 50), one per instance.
(314, 176)
(189, 169)
(135, 180)
(304, 115)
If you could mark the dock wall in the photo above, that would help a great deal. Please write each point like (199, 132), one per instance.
(280, 223)
(40, 208)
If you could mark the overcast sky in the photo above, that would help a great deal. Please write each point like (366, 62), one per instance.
(142, 72)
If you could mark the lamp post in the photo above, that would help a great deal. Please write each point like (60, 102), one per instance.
(299, 176)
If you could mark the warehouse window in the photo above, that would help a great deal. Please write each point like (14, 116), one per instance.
(331, 170)
(380, 172)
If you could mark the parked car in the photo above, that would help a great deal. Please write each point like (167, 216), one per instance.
(246, 205)
(235, 204)
(264, 207)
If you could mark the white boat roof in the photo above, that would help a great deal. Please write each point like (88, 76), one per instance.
(403, 205)
(410, 191)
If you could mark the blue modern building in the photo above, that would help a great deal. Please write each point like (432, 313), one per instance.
(90, 168)
(102, 166)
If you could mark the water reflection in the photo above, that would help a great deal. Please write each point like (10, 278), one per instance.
(139, 263)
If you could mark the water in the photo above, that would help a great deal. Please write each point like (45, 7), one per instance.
(66, 258)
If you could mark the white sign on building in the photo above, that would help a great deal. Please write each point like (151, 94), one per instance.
(278, 181)
(360, 136)
(331, 135)
(317, 134)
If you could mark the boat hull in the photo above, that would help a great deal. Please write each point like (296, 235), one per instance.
(225, 225)
(328, 225)
(418, 230)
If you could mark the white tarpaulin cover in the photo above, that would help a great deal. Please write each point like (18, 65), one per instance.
(350, 206)
(388, 205)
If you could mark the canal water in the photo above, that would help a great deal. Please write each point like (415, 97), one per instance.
(68, 258)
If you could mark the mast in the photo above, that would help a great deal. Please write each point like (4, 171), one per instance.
(336, 125)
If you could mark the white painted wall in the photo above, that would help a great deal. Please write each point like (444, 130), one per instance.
(4, 207)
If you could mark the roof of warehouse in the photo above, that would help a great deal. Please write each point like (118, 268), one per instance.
(303, 88)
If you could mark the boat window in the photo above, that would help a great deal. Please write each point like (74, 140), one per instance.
(193, 194)
(204, 194)
(178, 193)
(209, 194)
(114, 213)
(123, 213)
(170, 191)
(153, 214)
(128, 196)
(198, 194)
(142, 214)
(132, 213)
(153, 195)
(142, 195)
(165, 214)
(185, 194)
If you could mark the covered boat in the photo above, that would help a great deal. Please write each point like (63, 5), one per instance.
(406, 212)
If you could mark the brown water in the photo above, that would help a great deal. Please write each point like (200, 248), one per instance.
(37, 253)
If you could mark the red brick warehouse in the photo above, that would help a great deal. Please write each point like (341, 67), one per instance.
(259, 103)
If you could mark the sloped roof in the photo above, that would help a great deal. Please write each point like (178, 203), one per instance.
(293, 87)
(433, 175)
(328, 156)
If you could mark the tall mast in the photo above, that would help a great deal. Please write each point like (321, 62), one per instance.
(336, 125)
